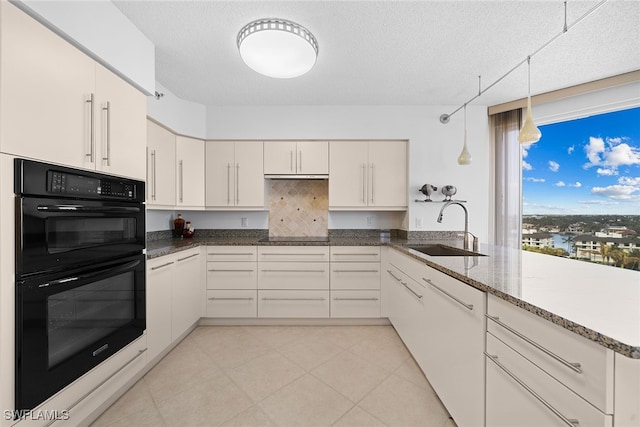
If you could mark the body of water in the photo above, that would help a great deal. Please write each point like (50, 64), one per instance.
(559, 241)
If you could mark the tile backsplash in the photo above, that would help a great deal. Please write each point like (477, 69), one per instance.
(298, 207)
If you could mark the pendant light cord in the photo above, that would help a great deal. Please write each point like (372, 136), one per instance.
(446, 117)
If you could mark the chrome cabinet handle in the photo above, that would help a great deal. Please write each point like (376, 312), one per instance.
(293, 299)
(417, 295)
(161, 266)
(91, 153)
(372, 187)
(356, 254)
(103, 382)
(300, 162)
(228, 184)
(568, 421)
(216, 270)
(187, 257)
(108, 110)
(229, 299)
(283, 254)
(355, 299)
(228, 253)
(292, 271)
(356, 271)
(574, 366)
(237, 184)
(290, 160)
(394, 276)
(153, 173)
(364, 184)
(181, 176)
(459, 301)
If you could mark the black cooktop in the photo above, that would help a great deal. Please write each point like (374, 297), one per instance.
(301, 239)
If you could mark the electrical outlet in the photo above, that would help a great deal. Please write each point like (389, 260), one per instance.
(369, 221)
(418, 222)
(244, 222)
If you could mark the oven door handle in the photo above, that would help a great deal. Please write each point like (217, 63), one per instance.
(81, 208)
(81, 277)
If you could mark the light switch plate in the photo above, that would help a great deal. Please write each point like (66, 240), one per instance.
(369, 221)
(244, 222)
(418, 222)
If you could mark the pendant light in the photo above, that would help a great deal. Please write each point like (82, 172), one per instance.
(277, 47)
(529, 132)
(465, 157)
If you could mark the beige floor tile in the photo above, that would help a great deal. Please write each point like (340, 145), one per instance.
(265, 374)
(252, 417)
(310, 351)
(185, 366)
(410, 371)
(236, 352)
(141, 419)
(306, 402)
(387, 353)
(346, 336)
(398, 402)
(208, 403)
(358, 417)
(351, 375)
(136, 399)
(277, 336)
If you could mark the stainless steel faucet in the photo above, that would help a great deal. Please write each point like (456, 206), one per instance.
(466, 225)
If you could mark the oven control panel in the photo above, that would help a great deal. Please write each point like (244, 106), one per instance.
(86, 186)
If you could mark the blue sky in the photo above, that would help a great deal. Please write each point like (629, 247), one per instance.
(585, 166)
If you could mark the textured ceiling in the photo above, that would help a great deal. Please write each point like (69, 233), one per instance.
(390, 52)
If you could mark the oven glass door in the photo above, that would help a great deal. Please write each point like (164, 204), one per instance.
(67, 325)
(54, 234)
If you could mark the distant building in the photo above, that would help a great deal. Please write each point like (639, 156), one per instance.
(537, 240)
(589, 245)
(578, 227)
(618, 229)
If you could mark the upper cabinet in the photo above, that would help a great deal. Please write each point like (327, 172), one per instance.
(161, 167)
(234, 175)
(189, 172)
(59, 105)
(296, 158)
(368, 175)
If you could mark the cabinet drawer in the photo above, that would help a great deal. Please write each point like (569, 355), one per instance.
(299, 275)
(293, 303)
(355, 253)
(293, 253)
(553, 349)
(355, 303)
(232, 253)
(232, 303)
(232, 275)
(512, 382)
(355, 275)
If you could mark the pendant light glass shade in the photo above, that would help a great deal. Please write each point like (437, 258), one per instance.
(277, 48)
(465, 157)
(529, 132)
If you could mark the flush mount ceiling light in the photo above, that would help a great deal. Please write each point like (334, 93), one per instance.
(277, 48)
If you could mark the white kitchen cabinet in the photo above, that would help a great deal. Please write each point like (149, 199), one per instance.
(189, 173)
(293, 303)
(120, 125)
(355, 281)
(59, 105)
(455, 319)
(234, 175)
(161, 167)
(296, 157)
(160, 277)
(187, 292)
(369, 175)
(232, 281)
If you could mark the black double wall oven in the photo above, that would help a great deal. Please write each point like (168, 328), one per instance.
(80, 274)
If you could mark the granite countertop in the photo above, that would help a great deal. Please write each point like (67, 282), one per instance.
(597, 302)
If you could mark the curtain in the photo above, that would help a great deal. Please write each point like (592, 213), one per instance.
(507, 222)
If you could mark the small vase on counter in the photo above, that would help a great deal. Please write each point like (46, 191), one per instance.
(189, 231)
(178, 226)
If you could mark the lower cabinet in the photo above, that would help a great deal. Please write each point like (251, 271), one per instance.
(293, 303)
(187, 292)
(355, 281)
(160, 274)
(232, 281)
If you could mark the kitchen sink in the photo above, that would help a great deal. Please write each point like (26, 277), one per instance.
(442, 250)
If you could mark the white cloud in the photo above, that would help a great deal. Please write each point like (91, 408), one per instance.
(593, 150)
(606, 172)
(617, 192)
(627, 180)
(615, 141)
(578, 184)
(554, 166)
(622, 155)
(526, 166)
(570, 150)
(560, 184)
(525, 151)
(535, 179)
(610, 154)
(598, 202)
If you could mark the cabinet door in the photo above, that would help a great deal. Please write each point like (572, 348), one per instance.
(160, 273)
(219, 172)
(280, 157)
(187, 293)
(161, 167)
(120, 124)
(313, 157)
(45, 90)
(189, 172)
(249, 175)
(387, 174)
(347, 174)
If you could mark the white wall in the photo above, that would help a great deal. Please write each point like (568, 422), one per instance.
(183, 117)
(433, 150)
(104, 33)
